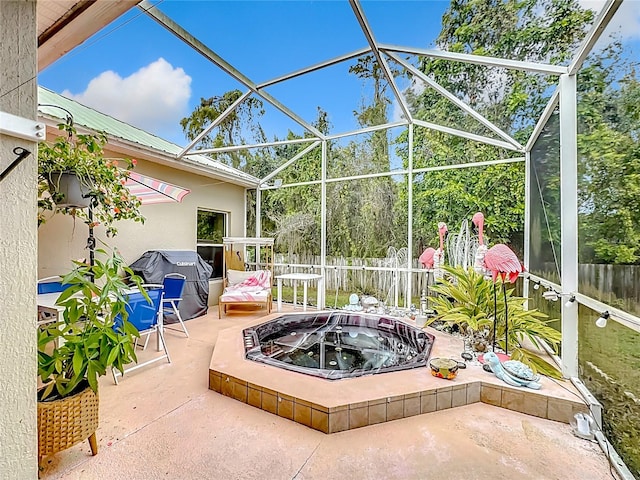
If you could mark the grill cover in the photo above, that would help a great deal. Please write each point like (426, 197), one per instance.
(155, 264)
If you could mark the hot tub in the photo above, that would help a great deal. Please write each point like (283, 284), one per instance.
(336, 345)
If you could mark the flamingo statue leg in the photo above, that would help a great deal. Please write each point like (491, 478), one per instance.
(501, 260)
(495, 316)
(506, 320)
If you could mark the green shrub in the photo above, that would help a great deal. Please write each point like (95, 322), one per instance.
(466, 299)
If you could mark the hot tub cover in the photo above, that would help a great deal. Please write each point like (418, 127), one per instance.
(155, 264)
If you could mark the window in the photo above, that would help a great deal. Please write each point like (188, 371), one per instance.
(212, 226)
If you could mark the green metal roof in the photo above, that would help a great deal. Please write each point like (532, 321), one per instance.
(97, 121)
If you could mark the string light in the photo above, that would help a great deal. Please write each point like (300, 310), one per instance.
(602, 320)
(571, 302)
(536, 285)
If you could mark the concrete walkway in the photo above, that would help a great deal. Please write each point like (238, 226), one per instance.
(162, 421)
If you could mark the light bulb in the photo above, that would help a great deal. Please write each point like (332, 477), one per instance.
(536, 286)
(571, 302)
(602, 321)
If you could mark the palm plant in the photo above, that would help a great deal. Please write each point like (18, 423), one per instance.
(466, 299)
(93, 301)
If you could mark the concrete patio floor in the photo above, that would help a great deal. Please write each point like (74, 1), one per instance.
(162, 421)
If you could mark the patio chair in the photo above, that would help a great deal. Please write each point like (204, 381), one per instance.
(45, 286)
(173, 287)
(246, 288)
(146, 317)
(51, 285)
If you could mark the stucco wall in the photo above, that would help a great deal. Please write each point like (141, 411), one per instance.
(167, 225)
(18, 431)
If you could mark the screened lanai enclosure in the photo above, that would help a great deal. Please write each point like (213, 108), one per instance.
(525, 111)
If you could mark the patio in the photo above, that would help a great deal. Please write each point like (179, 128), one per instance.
(164, 422)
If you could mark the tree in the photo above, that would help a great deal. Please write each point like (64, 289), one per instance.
(609, 163)
(532, 30)
(233, 130)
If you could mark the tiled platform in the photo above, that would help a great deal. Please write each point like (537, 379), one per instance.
(163, 421)
(332, 406)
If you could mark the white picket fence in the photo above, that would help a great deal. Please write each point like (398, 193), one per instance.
(384, 278)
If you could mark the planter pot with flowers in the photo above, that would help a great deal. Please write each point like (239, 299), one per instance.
(73, 174)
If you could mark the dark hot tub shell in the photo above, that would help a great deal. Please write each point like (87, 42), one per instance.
(336, 345)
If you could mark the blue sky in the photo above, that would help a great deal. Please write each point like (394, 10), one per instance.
(138, 72)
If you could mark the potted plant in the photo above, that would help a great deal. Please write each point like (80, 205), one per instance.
(73, 174)
(465, 299)
(78, 348)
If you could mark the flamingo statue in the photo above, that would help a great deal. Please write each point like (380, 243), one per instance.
(426, 259)
(500, 260)
(478, 264)
(438, 257)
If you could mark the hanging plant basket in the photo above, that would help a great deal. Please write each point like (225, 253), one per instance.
(68, 191)
(65, 422)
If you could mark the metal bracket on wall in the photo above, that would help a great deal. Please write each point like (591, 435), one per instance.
(21, 153)
(21, 127)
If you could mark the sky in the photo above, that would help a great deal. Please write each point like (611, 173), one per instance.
(138, 72)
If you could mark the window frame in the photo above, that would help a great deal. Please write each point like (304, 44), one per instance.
(199, 243)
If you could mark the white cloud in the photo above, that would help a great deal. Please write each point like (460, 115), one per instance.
(154, 98)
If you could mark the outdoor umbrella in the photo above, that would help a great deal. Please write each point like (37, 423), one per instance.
(150, 191)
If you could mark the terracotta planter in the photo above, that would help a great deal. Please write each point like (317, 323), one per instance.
(74, 193)
(66, 422)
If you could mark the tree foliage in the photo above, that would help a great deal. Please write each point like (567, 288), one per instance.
(364, 217)
(609, 168)
(233, 130)
(532, 30)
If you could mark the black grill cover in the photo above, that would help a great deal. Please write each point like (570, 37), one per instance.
(155, 264)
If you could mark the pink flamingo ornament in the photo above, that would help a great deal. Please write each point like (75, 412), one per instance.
(426, 259)
(478, 264)
(438, 257)
(500, 260)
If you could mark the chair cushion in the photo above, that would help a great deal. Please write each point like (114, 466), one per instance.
(240, 296)
(235, 277)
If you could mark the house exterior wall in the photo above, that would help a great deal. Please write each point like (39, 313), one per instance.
(167, 226)
(18, 424)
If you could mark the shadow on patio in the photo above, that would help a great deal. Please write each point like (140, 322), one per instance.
(164, 422)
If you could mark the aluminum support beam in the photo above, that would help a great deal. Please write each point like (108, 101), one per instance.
(569, 219)
(323, 225)
(410, 218)
(617, 315)
(258, 213)
(463, 134)
(544, 118)
(366, 29)
(289, 162)
(403, 172)
(478, 59)
(527, 227)
(244, 220)
(469, 165)
(217, 60)
(233, 148)
(315, 67)
(455, 100)
(215, 123)
(606, 14)
(373, 128)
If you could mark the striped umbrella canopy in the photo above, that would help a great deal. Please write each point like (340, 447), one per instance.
(151, 190)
